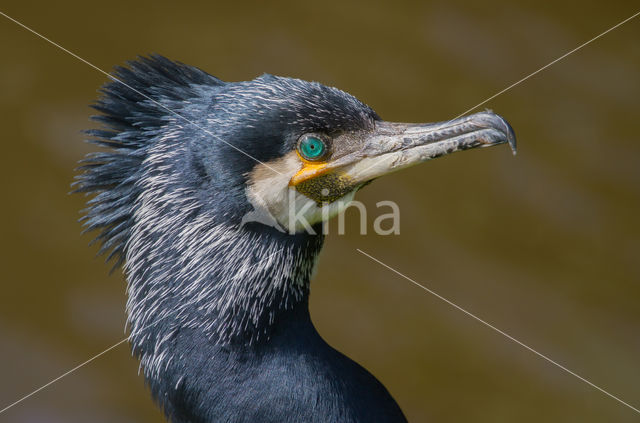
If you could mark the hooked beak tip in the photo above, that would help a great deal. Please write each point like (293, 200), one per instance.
(499, 123)
(511, 137)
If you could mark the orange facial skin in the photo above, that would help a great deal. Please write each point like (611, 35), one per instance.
(308, 171)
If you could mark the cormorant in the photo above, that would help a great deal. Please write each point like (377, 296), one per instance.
(218, 306)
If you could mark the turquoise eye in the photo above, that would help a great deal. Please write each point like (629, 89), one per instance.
(312, 148)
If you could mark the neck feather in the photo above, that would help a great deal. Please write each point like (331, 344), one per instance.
(187, 268)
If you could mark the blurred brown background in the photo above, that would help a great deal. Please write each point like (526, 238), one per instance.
(544, 245)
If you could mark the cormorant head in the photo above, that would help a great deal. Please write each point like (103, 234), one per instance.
(281, 151)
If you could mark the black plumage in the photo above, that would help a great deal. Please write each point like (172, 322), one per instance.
(218, 303)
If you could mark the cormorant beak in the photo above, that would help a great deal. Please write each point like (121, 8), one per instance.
(395, 146)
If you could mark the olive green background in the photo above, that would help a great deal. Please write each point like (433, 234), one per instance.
(543, 245)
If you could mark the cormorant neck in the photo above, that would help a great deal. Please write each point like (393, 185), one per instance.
(234, 283)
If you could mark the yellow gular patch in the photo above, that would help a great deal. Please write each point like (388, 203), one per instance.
(308, 171)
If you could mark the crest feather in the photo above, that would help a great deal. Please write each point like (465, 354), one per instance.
(133, 111)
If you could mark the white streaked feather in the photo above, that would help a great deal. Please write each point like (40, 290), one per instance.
(165, 294)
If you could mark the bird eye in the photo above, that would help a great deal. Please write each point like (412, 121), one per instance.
(312, 148)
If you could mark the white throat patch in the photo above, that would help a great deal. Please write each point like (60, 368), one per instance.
(280, 205)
